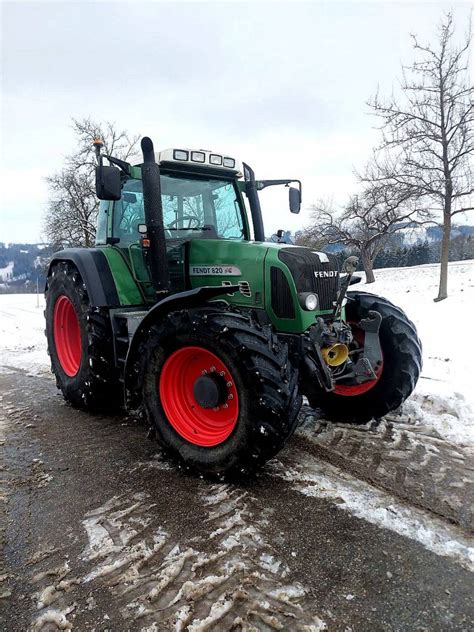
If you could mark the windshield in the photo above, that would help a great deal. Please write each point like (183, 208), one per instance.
(192, 207)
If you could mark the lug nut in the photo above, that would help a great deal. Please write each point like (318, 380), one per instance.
(230, 396)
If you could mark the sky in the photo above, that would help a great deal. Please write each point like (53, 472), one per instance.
(282, 86)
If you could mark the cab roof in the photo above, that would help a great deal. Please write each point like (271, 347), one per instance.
(200, 158)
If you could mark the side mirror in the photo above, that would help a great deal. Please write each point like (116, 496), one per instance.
(108, 185)
(295, 200)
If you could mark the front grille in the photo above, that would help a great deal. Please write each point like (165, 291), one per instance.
(282, 301)
(313, 274)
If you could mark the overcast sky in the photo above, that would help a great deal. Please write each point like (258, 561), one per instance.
(282, 86)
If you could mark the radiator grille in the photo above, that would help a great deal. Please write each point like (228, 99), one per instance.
(310, 274)
(282, 301)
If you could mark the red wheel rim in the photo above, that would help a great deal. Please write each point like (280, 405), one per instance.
(200, 426)
(351, 390)
(67, 336)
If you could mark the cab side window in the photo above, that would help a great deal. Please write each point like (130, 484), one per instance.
(129, 213)
(228, 215)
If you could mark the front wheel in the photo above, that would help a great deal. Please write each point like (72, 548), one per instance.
(219, 391)
(395, 379)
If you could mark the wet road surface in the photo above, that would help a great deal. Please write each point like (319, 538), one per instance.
(101, 533)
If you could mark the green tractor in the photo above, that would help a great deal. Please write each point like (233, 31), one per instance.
(183, 311)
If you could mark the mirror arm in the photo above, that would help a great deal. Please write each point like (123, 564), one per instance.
(262, 184)
(121, 164)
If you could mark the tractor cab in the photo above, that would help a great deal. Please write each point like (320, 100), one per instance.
(204, 196)
(201, 195)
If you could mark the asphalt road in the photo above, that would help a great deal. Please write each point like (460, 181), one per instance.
(100, 533)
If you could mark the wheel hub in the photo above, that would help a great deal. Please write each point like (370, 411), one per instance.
(199, 396)
(210, 391)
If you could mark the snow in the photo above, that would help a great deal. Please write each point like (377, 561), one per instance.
(322, 480)
(194, 587)
(22, 339)
(6, 272)
(444, 397)
(50, 618)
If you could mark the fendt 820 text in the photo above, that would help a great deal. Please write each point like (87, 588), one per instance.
(184, 312)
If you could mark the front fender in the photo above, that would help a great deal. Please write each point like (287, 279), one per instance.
(183, 300)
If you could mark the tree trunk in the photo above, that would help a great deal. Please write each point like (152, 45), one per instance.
(443, 277)
(368, 266)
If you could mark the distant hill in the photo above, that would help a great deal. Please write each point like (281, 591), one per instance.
(411, 234)
(23, 267)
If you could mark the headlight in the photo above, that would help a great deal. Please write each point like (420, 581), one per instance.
(308, 301)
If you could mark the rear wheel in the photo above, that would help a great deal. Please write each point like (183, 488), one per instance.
(219, 390)
(397, 376)
(79, 341)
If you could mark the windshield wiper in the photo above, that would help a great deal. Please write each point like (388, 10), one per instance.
(200, 229)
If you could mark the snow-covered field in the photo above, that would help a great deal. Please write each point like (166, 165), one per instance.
(444, 397)
(22, 339)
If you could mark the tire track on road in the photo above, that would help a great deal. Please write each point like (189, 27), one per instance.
(411, 461)
(228, 579)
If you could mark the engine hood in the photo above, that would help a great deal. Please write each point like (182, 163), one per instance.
(270, 276)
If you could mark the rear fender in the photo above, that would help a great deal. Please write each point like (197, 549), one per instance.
(94, 269)
(183, 300)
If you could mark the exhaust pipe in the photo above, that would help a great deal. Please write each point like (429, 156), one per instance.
(157, 260)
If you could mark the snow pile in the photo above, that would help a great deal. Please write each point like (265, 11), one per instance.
(444, 397)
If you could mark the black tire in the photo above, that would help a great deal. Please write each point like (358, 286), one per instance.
(95, 385)
(401, 349)
(266, 383)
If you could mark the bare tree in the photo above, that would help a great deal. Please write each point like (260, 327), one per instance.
(365, 224)
(72, 209)
(428, 134)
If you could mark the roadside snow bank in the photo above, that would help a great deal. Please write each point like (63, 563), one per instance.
(322, 480)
